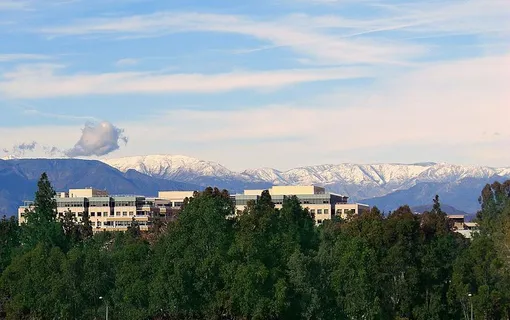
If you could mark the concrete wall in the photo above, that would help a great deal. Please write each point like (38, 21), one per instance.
(343, 210)
(87, 193)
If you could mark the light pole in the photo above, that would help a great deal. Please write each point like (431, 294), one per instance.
(471, 301)
(106, 303)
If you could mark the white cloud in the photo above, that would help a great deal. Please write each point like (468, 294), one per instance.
(438, 113)
(97, 139)
(13, 4)
(9, 57)
(445, 112)
(300, 33)
(126, 62)
(38, 81)
(328, 39)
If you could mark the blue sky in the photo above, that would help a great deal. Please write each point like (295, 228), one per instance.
(261, 83)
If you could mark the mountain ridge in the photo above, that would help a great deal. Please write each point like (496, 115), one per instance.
(18, 179)
(361, 182)
(385, 185)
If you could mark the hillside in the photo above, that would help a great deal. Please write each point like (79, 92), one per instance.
(18, 179)
(384, 184)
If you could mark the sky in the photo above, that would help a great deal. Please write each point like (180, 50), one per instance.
(257, 83)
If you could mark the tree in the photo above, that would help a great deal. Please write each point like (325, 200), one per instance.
(400, 273)
(34, 286)
(254, 262)
(134, 229)
(86, 227)
(41, 224)
(131, 260)
(9, 240)
(191, 259)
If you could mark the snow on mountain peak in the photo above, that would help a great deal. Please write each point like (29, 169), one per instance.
(172, 167)
(379, 179)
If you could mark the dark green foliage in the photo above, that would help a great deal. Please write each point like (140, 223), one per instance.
(266, 263)
(9, 240)
(42, 225)
(190, 259)
(134, 229)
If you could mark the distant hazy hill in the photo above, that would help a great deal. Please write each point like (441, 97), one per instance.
(446, 208)
(462, 194)
(18, 179)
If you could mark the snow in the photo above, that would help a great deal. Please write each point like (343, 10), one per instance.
(388, 176)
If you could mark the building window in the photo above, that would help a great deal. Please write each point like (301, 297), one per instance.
(319, 221)
(92, 214)
(319, 211)
(99, 223)
(339, 211)
(326, 211)
(312, 211)
(98, 214)
(131, 213)
(124, 214)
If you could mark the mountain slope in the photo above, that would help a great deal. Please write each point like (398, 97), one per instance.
(188, 169)
(462, 194)
(18, 179)
(384, 185)
(446, 208)
(363, 181)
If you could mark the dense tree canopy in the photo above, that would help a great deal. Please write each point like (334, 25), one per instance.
(266, 263)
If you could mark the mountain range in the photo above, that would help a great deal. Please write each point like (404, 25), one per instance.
(384, 185)
(18, 179)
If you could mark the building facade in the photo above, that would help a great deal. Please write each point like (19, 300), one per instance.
(321, 204)
(116, 213)
(459, 224)
(113, 213)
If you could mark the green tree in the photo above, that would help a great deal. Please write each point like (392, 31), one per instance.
(41, 223)
(131, 260)
(85, 227)
(9, 240)
(34, 286)
(191, 257)
(400, 265)
(134, 229)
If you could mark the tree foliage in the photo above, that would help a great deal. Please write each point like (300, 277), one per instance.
(265, 263)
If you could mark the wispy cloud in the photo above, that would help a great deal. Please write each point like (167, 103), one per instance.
(126, 62)
(445, 107)
(392, 117)
(34, 112)
(13, 4)
(300, 33)
(334, 39)
(42, 81)
(9, 57)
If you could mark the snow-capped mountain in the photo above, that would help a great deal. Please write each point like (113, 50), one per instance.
(385, 185)
(359, 181)
(178, 167)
